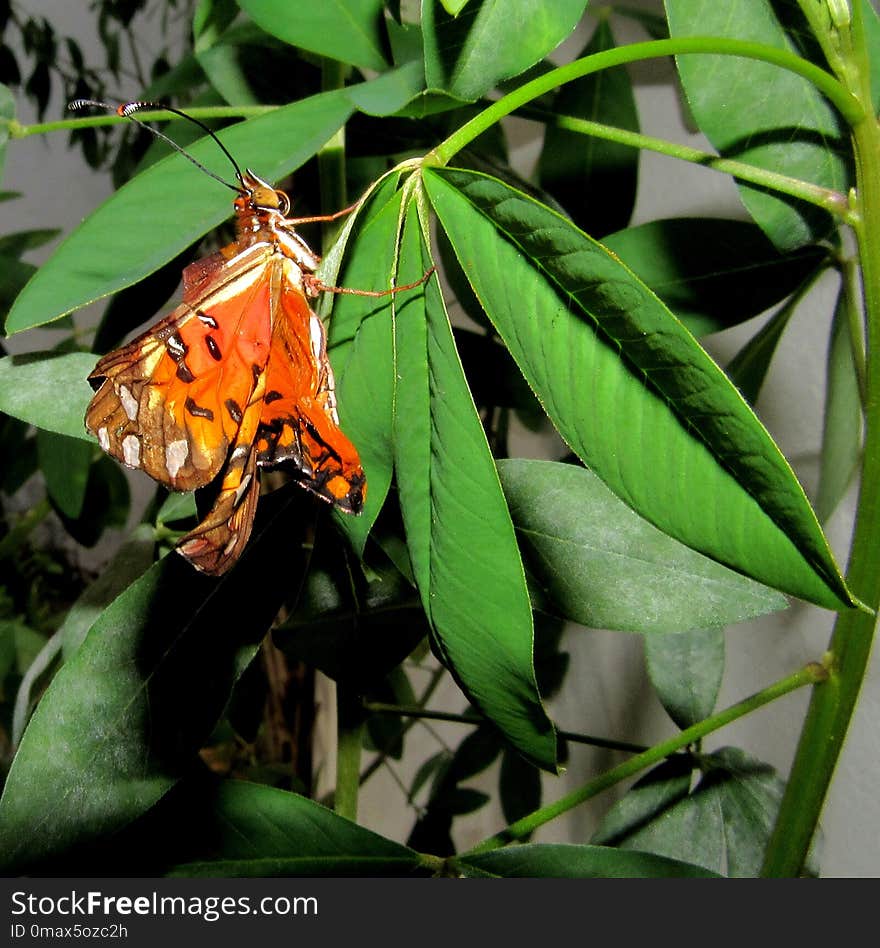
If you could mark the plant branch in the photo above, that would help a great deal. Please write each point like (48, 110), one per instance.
(809, 675)
(832, 705)
(826, 198)
(414, 711)
(849, 106)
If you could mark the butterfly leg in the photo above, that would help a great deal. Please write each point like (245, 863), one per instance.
(314, 286)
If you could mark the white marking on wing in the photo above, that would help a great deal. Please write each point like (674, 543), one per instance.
(131, 451)
(129, 402)
(176, 453)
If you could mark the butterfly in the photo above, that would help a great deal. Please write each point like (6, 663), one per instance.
(234, 380)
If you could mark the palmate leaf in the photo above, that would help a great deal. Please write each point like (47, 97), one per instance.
(565, 861)
(153, 217)
(122, 719)
(256, 830)
(599, 563)
(631, 391)
(459, 534)
(723, 824)
(469, 54)
(347, 30)
(762, 114)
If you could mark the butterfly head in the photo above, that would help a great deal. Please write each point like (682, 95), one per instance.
(258, 196)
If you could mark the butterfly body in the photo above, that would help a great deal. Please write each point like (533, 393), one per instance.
(235, 379)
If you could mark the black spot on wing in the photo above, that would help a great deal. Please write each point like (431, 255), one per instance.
(234, 410)
(197, 411)
(213, 348)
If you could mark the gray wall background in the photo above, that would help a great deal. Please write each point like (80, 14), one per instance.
(607, 692)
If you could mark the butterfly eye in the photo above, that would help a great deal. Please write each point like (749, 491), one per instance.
(283, 203)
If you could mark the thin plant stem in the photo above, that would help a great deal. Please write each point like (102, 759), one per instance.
(826, 198)
(847, 104)
(809, 675)
(419, 713)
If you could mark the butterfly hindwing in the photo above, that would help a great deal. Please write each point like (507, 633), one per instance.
(299, 423)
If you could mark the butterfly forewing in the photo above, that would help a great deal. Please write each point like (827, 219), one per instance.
(171, 401)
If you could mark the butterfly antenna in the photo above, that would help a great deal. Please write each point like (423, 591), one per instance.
(126, 111)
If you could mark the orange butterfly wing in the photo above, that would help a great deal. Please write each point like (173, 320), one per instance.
(171, 402)
(299, 424)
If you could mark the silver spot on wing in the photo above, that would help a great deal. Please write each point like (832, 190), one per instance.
(176, 453)
(131, 451)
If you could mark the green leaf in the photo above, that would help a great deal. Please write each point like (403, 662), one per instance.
(749, 367)
(65, 463)
(352, 628)
(31, 387)
(453, 7)
(469, 54)
(600, 564)
(105, 504)
(842, 430)
(761, 114)
(519, 787)
(260, 831)
(177, 507)
(648, 798)
(632, 392)
(712, 272)
(685, 670)
(360, 344)
(564, 861)
(156, 215)
(124, 716)
(14, 274)
(724, 824)
(14, 245)
(347, 30)
(223, 67)
(458, 528)
(390, 92)
(594, 180)
(131, 561)
(210, 20)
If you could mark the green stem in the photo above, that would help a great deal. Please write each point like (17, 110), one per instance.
(827, 198)
(809, 675)
(349, 741)
(832, 705)
(848, 105)
(414, 711)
